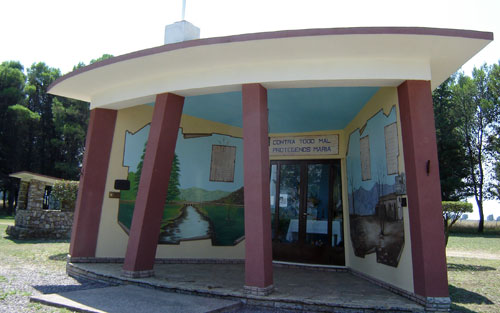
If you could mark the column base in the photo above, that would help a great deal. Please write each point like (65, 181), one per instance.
(437, 304)
(259, 291)
(138, 274)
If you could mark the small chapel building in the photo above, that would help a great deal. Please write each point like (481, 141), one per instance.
(313, 146)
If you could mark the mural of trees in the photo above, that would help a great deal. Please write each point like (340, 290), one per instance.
(173, 191)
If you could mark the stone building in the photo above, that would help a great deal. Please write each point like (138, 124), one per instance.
(36, 216)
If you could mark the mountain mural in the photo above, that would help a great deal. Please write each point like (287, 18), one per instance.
(235, 197)
(195, 194)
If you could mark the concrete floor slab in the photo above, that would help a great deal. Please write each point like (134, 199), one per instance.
(125, 299)
(299, 289)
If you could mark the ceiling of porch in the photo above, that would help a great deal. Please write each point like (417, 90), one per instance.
(290, 109)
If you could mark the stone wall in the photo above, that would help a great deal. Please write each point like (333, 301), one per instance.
(22, 198)
(32, 224)
(36, 192)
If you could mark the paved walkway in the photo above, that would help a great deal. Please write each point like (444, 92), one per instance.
(132, 299)
(295, 289)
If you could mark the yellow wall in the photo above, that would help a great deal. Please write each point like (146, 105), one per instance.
(112, 240)
(401, 276)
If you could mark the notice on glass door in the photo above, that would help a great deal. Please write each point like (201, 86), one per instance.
(304, 145)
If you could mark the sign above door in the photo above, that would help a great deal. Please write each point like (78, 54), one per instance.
(304, 145)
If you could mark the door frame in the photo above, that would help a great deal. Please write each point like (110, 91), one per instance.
(297, 251)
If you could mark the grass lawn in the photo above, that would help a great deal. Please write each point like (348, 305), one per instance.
(475, 244)
(47, 253)
(7, 220)
(41, 254)
(474, 281)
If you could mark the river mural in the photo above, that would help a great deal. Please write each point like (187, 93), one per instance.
(192, 224)
(205, 194)
(375, 187)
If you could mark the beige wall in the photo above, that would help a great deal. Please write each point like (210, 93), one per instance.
(112, 240)
(401, 276)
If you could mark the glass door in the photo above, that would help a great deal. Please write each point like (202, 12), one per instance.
(306, 211)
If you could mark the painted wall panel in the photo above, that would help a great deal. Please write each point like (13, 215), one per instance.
(132, 128)
(196, 207)
(377, 233)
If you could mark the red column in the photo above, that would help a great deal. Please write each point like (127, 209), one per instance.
(423, 189)
(148, 211)
(258, 247)
(92, 184)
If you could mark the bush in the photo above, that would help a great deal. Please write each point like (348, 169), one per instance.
(452, 211)
(66, 191)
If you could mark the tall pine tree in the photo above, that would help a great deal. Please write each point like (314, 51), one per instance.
(173, 191)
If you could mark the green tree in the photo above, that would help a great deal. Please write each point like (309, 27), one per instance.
(66, 192)
(18, 140)
(101, 58)
(452, 211)
(453, 166)
(12, 82)
(40, 76)
(494, 139)
(477, 113)
(70, 122)
(138, 171)
(173, 191)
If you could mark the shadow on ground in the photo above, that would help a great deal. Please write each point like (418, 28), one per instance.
(460, 295)
(34, 241)
(81, 284)
(58, 257)
(457, 308)
(468, 267)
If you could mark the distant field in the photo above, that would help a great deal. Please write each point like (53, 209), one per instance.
(470, 227)
(474, 244)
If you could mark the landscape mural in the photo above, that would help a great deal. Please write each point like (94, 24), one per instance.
(205, 194)
(375, 189)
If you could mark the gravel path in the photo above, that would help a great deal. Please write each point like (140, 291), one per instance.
(20, 281)
(472, 254)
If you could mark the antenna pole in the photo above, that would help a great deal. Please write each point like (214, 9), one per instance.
(183, 9)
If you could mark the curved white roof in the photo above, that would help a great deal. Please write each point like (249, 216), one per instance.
(367, 56)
